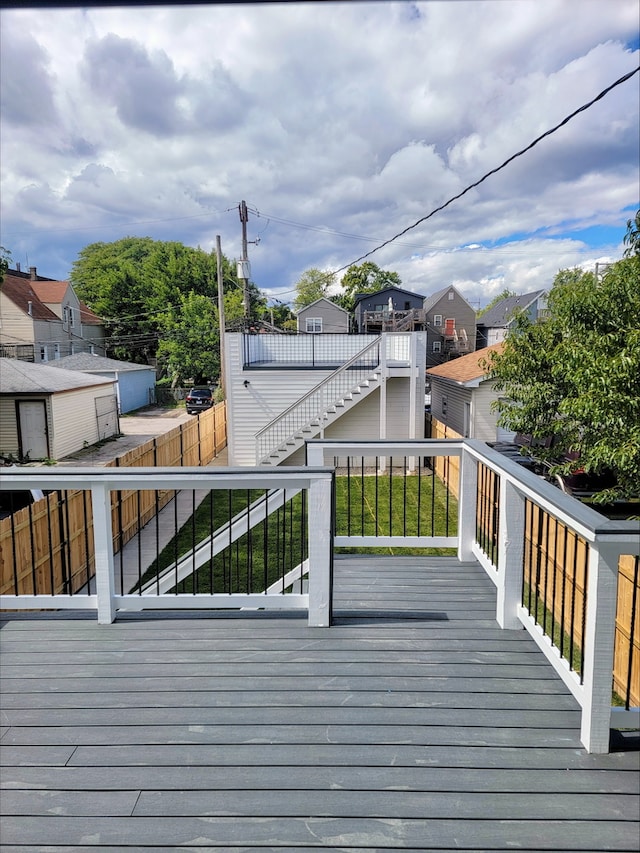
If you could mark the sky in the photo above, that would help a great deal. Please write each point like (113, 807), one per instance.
(340, 124)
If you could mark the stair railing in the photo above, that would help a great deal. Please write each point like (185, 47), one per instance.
(310, 408)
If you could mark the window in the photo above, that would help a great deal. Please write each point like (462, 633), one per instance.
(437, 319)
(407, 306)
(314, 325)
(65, 317)
(71, 323)
(437, 346)
(450, 295)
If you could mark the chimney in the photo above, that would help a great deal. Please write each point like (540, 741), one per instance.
(33, 275)
(17, 266)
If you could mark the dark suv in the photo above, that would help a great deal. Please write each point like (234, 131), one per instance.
(199, 399)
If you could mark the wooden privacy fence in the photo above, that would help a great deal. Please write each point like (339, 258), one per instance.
(555, 574)
(446, 467)
(47, 547)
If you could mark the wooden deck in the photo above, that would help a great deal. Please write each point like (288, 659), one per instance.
(413, 723)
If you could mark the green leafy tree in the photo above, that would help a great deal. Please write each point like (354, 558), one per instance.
(134, 283)
(5, 257)
(632, 237)
(366, 278)
(505, 294)
(312, 285)
(574, 376)
(189, 349)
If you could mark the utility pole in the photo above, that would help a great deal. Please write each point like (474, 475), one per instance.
(220, 312)
(243, 264)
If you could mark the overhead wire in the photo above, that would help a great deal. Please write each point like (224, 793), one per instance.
(497, 169)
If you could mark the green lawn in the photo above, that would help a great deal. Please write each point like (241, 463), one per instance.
(402, 505)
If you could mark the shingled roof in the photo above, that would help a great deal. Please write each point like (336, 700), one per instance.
(21, 292)
(22, 377)
(466, 369)
(504, 311)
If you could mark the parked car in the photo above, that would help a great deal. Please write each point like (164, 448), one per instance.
(199, 400)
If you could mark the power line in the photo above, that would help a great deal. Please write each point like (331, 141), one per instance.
(477, 183)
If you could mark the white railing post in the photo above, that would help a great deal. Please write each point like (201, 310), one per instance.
(320, 569)
(510, 555)
(315, 455)
(467, 498)
(103, 544)
(599, 634)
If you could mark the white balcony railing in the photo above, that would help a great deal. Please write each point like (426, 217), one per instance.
(508, 519)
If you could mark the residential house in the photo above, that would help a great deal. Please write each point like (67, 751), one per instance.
(391, 309)
(451, 325)
(135, 383)
(493, 326)
(283, 389)
(28, 329)
(323, 317)
(42, 319)
(462, 395)
(46, 412)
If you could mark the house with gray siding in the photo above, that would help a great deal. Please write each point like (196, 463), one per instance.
(462, 395)
(323, 317)
(389, 309)
(494, 325)
(135, 383)
(451, 325)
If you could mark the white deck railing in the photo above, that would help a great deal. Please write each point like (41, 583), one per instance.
(504, 564)
(607, 541)
(101, 482)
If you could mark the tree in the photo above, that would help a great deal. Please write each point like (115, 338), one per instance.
(134, 283)
(574, 376)
(189, 349)
(632, 237)
(505, 294)
(366, 278)
(313, 284)
(5, 257)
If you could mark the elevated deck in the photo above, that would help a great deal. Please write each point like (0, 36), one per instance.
(414, 723)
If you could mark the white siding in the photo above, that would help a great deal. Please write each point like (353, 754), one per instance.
(8, 427)
(485, 420)
(270, 392)
(74, 419)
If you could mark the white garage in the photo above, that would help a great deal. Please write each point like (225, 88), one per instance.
(48, 413)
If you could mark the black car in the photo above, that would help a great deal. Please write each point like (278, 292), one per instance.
(198, 400)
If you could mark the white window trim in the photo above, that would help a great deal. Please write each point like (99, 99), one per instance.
(437, 346)
(437, 319)
(313, 325)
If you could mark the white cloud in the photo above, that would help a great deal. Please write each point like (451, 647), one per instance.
(357, 118)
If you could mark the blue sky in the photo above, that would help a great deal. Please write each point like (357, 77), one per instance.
(340, 124)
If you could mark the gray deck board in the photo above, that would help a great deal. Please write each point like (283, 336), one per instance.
(414, 723)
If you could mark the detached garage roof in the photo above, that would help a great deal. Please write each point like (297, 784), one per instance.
(89, 363)
(23, 377)
(468, 370)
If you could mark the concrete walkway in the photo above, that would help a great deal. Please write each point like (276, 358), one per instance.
(140, 552)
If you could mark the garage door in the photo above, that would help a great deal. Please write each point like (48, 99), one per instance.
(107, 416)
